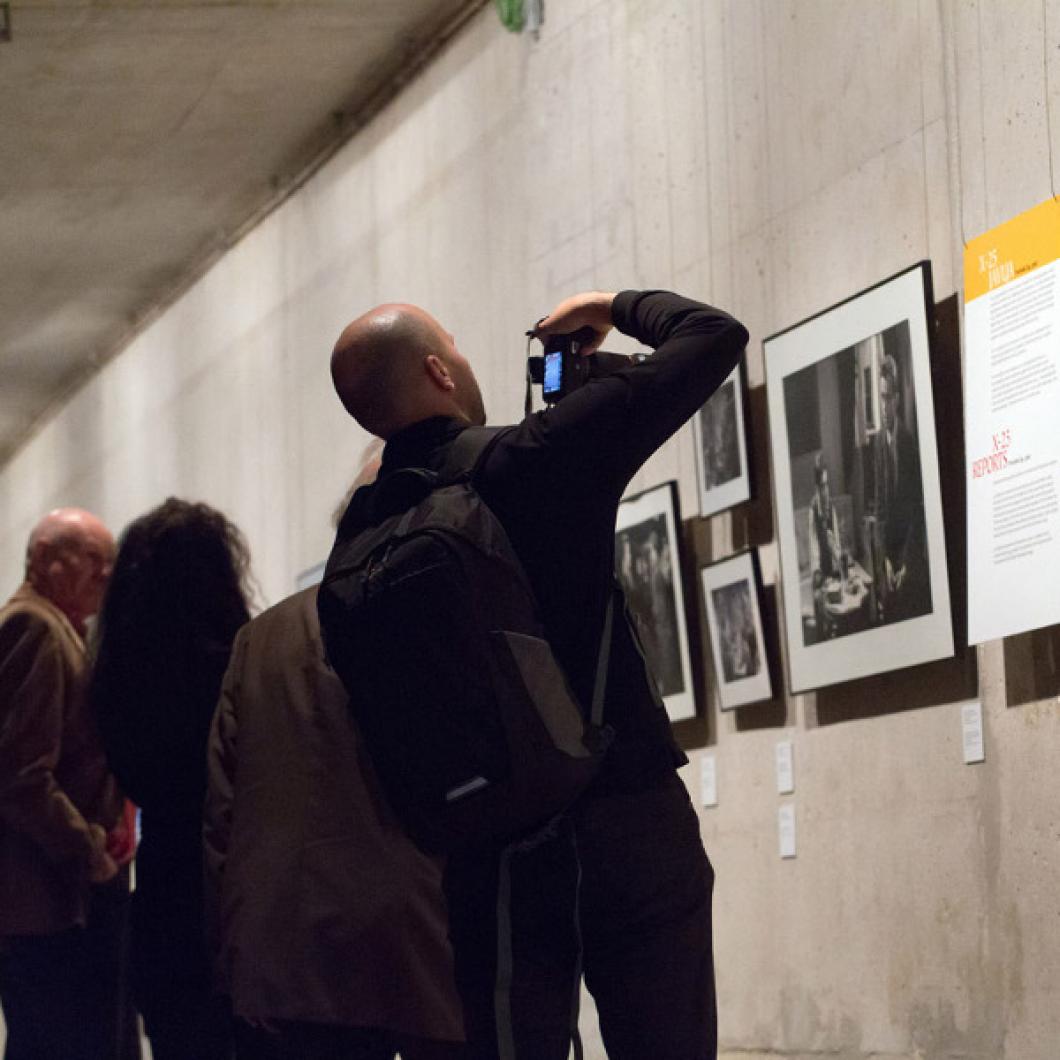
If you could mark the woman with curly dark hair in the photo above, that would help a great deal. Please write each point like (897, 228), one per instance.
(176, 598)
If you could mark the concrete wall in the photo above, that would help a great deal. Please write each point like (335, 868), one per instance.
(771, 156)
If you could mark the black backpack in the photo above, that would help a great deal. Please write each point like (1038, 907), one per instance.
(430, 622)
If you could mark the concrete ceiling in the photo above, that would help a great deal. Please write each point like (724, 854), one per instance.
(138, 138)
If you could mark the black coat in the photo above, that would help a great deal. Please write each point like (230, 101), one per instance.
(156, 746)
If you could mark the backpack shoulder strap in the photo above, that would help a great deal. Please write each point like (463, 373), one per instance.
(467, 452)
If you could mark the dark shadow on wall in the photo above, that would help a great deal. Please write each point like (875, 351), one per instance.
(752, 522)
(1032, 666)
(699, 731)
(930, 685)
(772, 714)
(948, 680)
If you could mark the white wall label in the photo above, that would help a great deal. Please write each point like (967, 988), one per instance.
(786, 830)
(972, 732)
(785, 768)
(708, 781)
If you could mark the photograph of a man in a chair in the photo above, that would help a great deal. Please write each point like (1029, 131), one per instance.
(856, 489)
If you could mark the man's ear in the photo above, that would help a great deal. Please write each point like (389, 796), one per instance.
(438, 373)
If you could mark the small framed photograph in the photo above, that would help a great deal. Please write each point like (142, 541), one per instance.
(734, 620)
(856, 478)
(648, 565)
(722, 474)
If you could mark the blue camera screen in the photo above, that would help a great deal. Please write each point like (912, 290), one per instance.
(553, 372)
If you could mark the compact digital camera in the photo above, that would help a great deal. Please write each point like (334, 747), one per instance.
(562, 368)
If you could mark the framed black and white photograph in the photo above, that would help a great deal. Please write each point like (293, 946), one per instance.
(648, 565)
(734, 622)
(722, 475)
(856, 477)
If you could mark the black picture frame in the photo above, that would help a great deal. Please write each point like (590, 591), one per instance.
(649, 566)
(856, 487)
(739, 647)
(723, 458)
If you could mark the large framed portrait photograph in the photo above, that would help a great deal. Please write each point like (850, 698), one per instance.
(648, 565)
(856, 477)
(722, 475)
(734, 619)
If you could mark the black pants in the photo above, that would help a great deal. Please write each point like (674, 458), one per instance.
(64, 995)
(629, 870)
(295, 1040)
(189, 1021)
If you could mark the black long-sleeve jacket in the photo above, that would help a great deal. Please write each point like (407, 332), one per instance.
(555, 480)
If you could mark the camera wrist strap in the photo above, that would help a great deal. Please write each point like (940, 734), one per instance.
(528, 401)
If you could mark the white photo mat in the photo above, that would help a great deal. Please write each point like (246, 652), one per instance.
(900, 643)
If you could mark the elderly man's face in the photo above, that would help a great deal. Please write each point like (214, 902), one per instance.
(73, 573)
(91, 569)
(80, 577)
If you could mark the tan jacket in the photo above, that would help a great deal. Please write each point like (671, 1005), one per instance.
(321, 909)
(53, 774)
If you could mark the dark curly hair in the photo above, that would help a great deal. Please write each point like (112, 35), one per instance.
(177, 595)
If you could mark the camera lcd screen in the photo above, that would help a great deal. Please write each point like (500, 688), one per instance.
(553, 372)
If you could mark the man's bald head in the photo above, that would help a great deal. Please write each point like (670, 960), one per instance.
(396, 365)
(68, 560)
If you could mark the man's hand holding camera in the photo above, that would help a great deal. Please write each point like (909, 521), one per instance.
(571, 335)
(591, 309)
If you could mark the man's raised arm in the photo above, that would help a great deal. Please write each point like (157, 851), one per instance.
(618, 420)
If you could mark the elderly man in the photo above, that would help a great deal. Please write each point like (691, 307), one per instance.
(57, 798)
(624, 878)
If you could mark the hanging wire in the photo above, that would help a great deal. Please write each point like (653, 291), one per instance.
(1048, 108)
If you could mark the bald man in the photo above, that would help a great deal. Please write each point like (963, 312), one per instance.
(57, 798)
(625, 878)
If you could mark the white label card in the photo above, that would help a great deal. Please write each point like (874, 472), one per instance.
(786, 830)
(972, 732)
(785, 768)
(708, 781)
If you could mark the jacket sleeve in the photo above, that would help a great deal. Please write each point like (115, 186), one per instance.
(217, 811)
(615, 422)
(33, 690)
